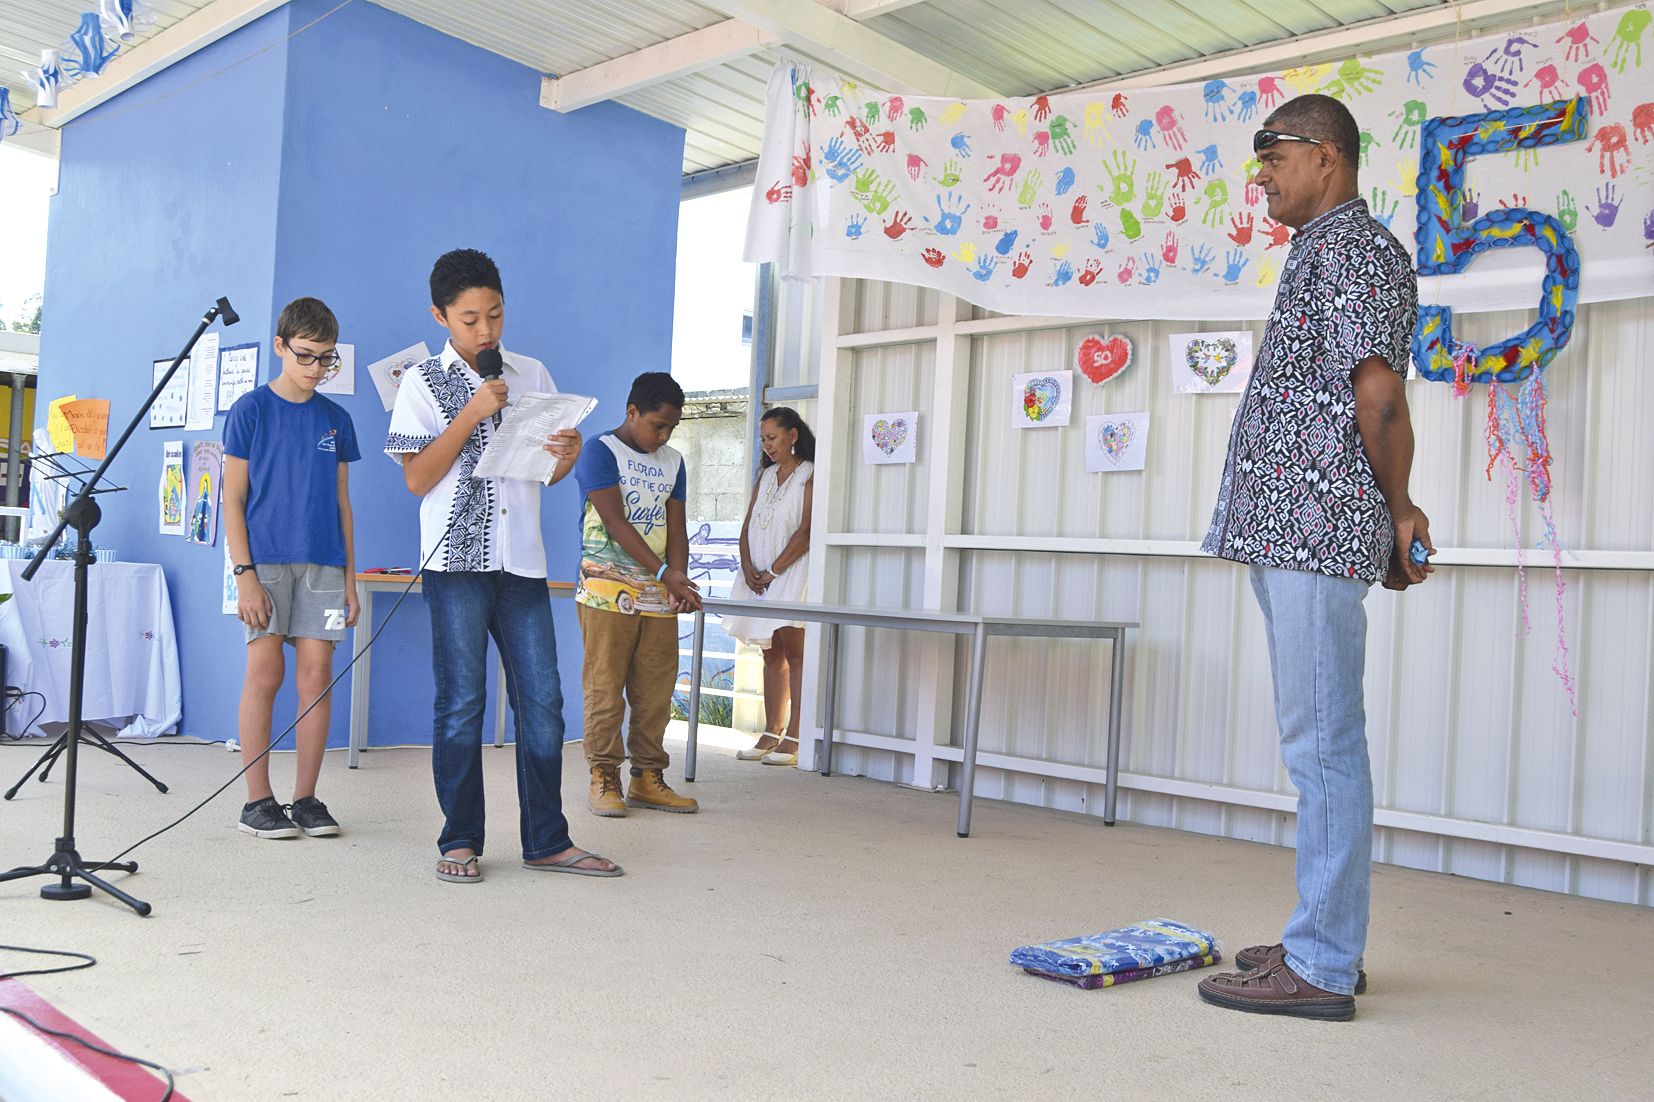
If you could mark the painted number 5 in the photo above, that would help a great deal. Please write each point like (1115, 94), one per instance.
(1445, 247)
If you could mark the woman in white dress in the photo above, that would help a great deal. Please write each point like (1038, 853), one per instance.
(775, 560)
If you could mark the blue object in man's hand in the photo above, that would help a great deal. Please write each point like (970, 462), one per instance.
(1418, 552)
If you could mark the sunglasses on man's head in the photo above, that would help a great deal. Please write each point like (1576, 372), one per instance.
(1263, 139)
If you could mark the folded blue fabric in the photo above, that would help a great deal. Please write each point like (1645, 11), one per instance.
(1148, 944)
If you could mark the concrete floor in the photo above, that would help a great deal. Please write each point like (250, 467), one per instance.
(800, 938)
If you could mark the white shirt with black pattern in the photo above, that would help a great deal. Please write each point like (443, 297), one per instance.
(495, 521)
(1298, 491)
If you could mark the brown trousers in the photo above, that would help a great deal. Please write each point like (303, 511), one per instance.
(636, 656)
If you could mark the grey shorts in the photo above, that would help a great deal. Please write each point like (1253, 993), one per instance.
(307, 601)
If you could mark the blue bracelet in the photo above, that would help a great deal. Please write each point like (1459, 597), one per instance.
(661, 572)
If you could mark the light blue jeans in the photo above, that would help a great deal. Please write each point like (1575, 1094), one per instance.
(1317, 649)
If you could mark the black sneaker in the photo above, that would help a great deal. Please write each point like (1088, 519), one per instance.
(311, 816)
(265, 819)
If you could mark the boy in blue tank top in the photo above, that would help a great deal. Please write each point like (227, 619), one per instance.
(288, 525)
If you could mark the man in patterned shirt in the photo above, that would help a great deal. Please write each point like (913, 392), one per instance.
(1314, 498)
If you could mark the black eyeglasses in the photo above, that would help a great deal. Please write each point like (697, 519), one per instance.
(326, 359)
(1263, 139)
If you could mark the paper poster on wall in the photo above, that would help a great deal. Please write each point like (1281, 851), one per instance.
(237, 373)
(232, 593)
(170, 492)
(169, 410)
(1211, 363)
(387, 373)
(890, 437)
(1116, 442)
(89, 423)
(202, 490)
(1042, 399)
(341, 377)
(203, 388)
(57, 425)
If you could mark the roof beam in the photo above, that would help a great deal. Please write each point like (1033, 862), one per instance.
(676, 57)
(813, 28)
(196, 31)
(1369, 37)
(827, 28)
(867, 9)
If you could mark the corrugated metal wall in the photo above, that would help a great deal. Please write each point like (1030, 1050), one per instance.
(1479, 765)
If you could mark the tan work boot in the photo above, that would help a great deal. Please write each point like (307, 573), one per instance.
(604, 795)
(649, 789)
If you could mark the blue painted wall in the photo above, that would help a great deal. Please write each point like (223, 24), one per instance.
(381, 144)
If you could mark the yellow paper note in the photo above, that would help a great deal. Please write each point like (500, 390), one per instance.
(89, 421)
(57, 425)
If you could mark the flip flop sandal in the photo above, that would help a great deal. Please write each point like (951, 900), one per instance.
(460, 878)
(571, 864)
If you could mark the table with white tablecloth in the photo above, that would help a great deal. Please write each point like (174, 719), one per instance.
(132, 680)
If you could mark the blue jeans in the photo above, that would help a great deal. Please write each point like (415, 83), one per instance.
(1317, 649)
(466, 608)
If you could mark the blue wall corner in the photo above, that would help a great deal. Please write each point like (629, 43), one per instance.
(356, 153)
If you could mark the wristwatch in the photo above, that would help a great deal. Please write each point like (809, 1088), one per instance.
(242, 568)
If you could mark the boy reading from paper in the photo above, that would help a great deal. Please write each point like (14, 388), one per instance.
(488, 578)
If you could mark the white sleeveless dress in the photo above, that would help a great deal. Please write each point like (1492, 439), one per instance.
(777, 512)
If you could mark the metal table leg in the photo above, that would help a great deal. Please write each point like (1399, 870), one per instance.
(1117, 678)
(359, 636)
(827, 705)
(973, 721)
(694, 694)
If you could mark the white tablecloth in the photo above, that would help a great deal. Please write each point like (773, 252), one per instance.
(131, 649)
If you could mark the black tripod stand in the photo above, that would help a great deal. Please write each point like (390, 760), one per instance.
(67, 470)
(91, 738)
(83, 514)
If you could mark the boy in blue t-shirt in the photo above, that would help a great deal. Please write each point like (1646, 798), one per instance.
(634, 551)
(287, 523)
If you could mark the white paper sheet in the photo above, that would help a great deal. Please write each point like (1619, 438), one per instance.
(203, 391)
(170, 493)
(342, 379)
(1211, 363)
(232, 592)
(168, 412)
(237, 373)
(890, 437)
(517, 448)
(1042, 399)
(1116, 442)
(387, 373)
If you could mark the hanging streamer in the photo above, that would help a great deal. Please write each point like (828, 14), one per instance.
(93, 51)
(122, 17)
(8, 117)
(46, 79)
(1517, 443)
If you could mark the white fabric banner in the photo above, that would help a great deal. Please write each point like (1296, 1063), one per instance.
(1136, 204)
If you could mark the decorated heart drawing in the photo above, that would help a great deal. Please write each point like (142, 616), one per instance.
(1040, 397)
(889, 435)
(1211, 360)
(1100, 360)
(1115, 437)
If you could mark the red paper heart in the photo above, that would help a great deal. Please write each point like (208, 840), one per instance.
(1101, 360)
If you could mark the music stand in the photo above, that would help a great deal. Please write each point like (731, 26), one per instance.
(76, 474)
(82, 514)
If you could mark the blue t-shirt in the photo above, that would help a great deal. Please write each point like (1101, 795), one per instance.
(293, 451)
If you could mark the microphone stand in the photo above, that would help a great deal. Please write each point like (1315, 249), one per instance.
(82, 514)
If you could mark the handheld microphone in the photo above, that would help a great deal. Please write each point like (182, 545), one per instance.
(491, 366)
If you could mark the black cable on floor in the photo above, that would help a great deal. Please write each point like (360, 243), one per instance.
(86, 961)
(414, 578)
(16, 696)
